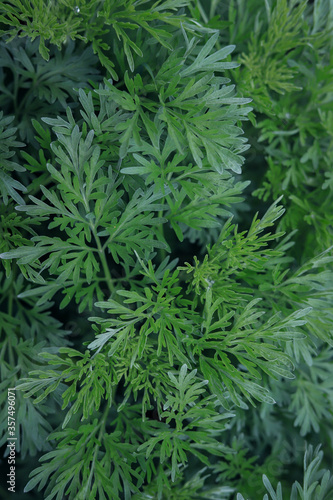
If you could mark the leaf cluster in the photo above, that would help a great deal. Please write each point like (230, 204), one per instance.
(164, 341)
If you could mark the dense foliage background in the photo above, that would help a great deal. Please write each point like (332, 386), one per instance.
(166, 248)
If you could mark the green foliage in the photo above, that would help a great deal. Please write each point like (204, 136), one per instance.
(285, 68)
(29, 84)
(317, 484)
(266, 64)
(25, 330)
(79, 468)
(169, 336)
(9, 187)
(98, 23)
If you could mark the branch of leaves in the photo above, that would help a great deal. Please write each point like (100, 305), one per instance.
(89, 381)
(88, 462)
(200, 111)
(195, 199)
(308, 286)
(83, 180)
(91, 21)
(232, 254)
(13, 232)
(67, 259)
(267, 64)
(233, 355)
(197, 424)
(195, 203)
(158, 317)
(88, 205)
(248, 249)
(9, 187)
(75, 263)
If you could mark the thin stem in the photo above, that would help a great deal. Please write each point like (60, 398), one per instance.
(108, 277)
(162, 252)
(100, 435)
(160, 229)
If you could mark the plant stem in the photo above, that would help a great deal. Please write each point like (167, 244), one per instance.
(108, 277)
(162, 251)
(100, 435)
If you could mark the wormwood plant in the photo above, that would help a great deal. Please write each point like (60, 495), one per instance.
(163, 342)
(286, 68)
